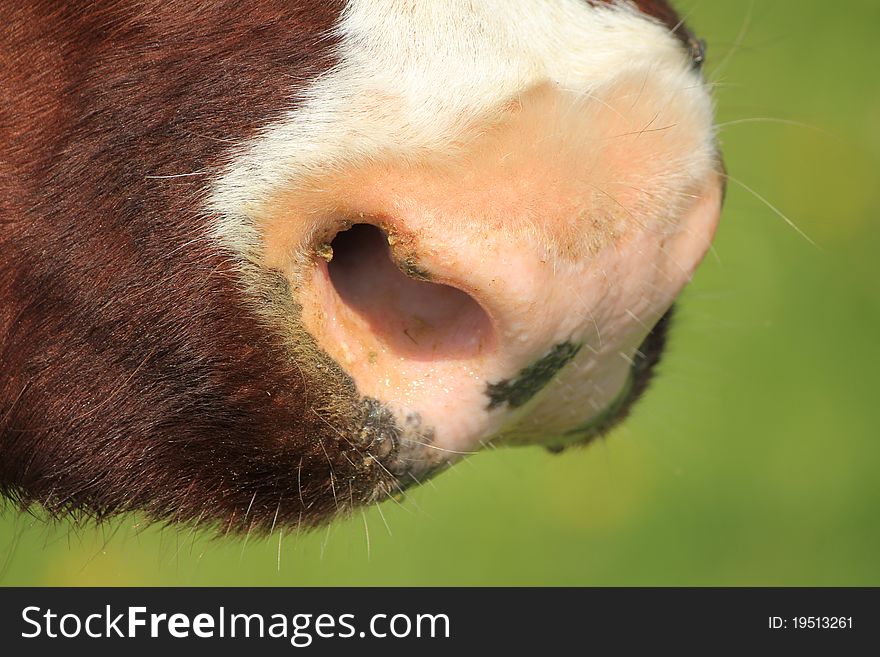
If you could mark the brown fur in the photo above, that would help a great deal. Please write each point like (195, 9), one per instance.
(133, 374)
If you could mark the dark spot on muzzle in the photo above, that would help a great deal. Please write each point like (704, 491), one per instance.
(403, 451)
(641, 373)
(532, 379)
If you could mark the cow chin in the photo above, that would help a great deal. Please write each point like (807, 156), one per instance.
(366, 454)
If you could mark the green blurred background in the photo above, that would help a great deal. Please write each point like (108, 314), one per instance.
(755, 459)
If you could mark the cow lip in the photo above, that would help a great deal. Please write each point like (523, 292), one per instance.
(641, 374)
(408, 453)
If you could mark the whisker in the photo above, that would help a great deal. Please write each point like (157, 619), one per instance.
(441, 449)
(737, 42)
(325, 541)
(770, 119)
(684, 18)
(366, 532)
(177, 175)
(278, 558)
(247, 537)
(248, 511)
(645, 130)
(384, 520)
(776, 210)
(299, 485)
(275, 518)
(418, 481)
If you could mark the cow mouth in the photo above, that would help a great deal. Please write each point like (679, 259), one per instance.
(641, 374)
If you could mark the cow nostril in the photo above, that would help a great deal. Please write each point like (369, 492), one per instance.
(413, 318)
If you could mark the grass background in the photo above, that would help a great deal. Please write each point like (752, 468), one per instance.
(755, 460)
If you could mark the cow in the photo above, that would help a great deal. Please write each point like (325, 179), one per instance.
(263, 262)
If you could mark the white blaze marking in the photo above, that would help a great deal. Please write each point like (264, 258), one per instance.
(411, 75)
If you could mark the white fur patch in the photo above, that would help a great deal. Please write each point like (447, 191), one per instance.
(412, 75)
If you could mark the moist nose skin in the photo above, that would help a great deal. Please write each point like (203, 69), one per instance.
(499, 291)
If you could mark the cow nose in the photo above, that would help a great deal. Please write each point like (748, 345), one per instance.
(488, 335)
(500, 289)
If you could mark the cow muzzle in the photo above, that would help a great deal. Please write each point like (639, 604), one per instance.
(510, 287)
